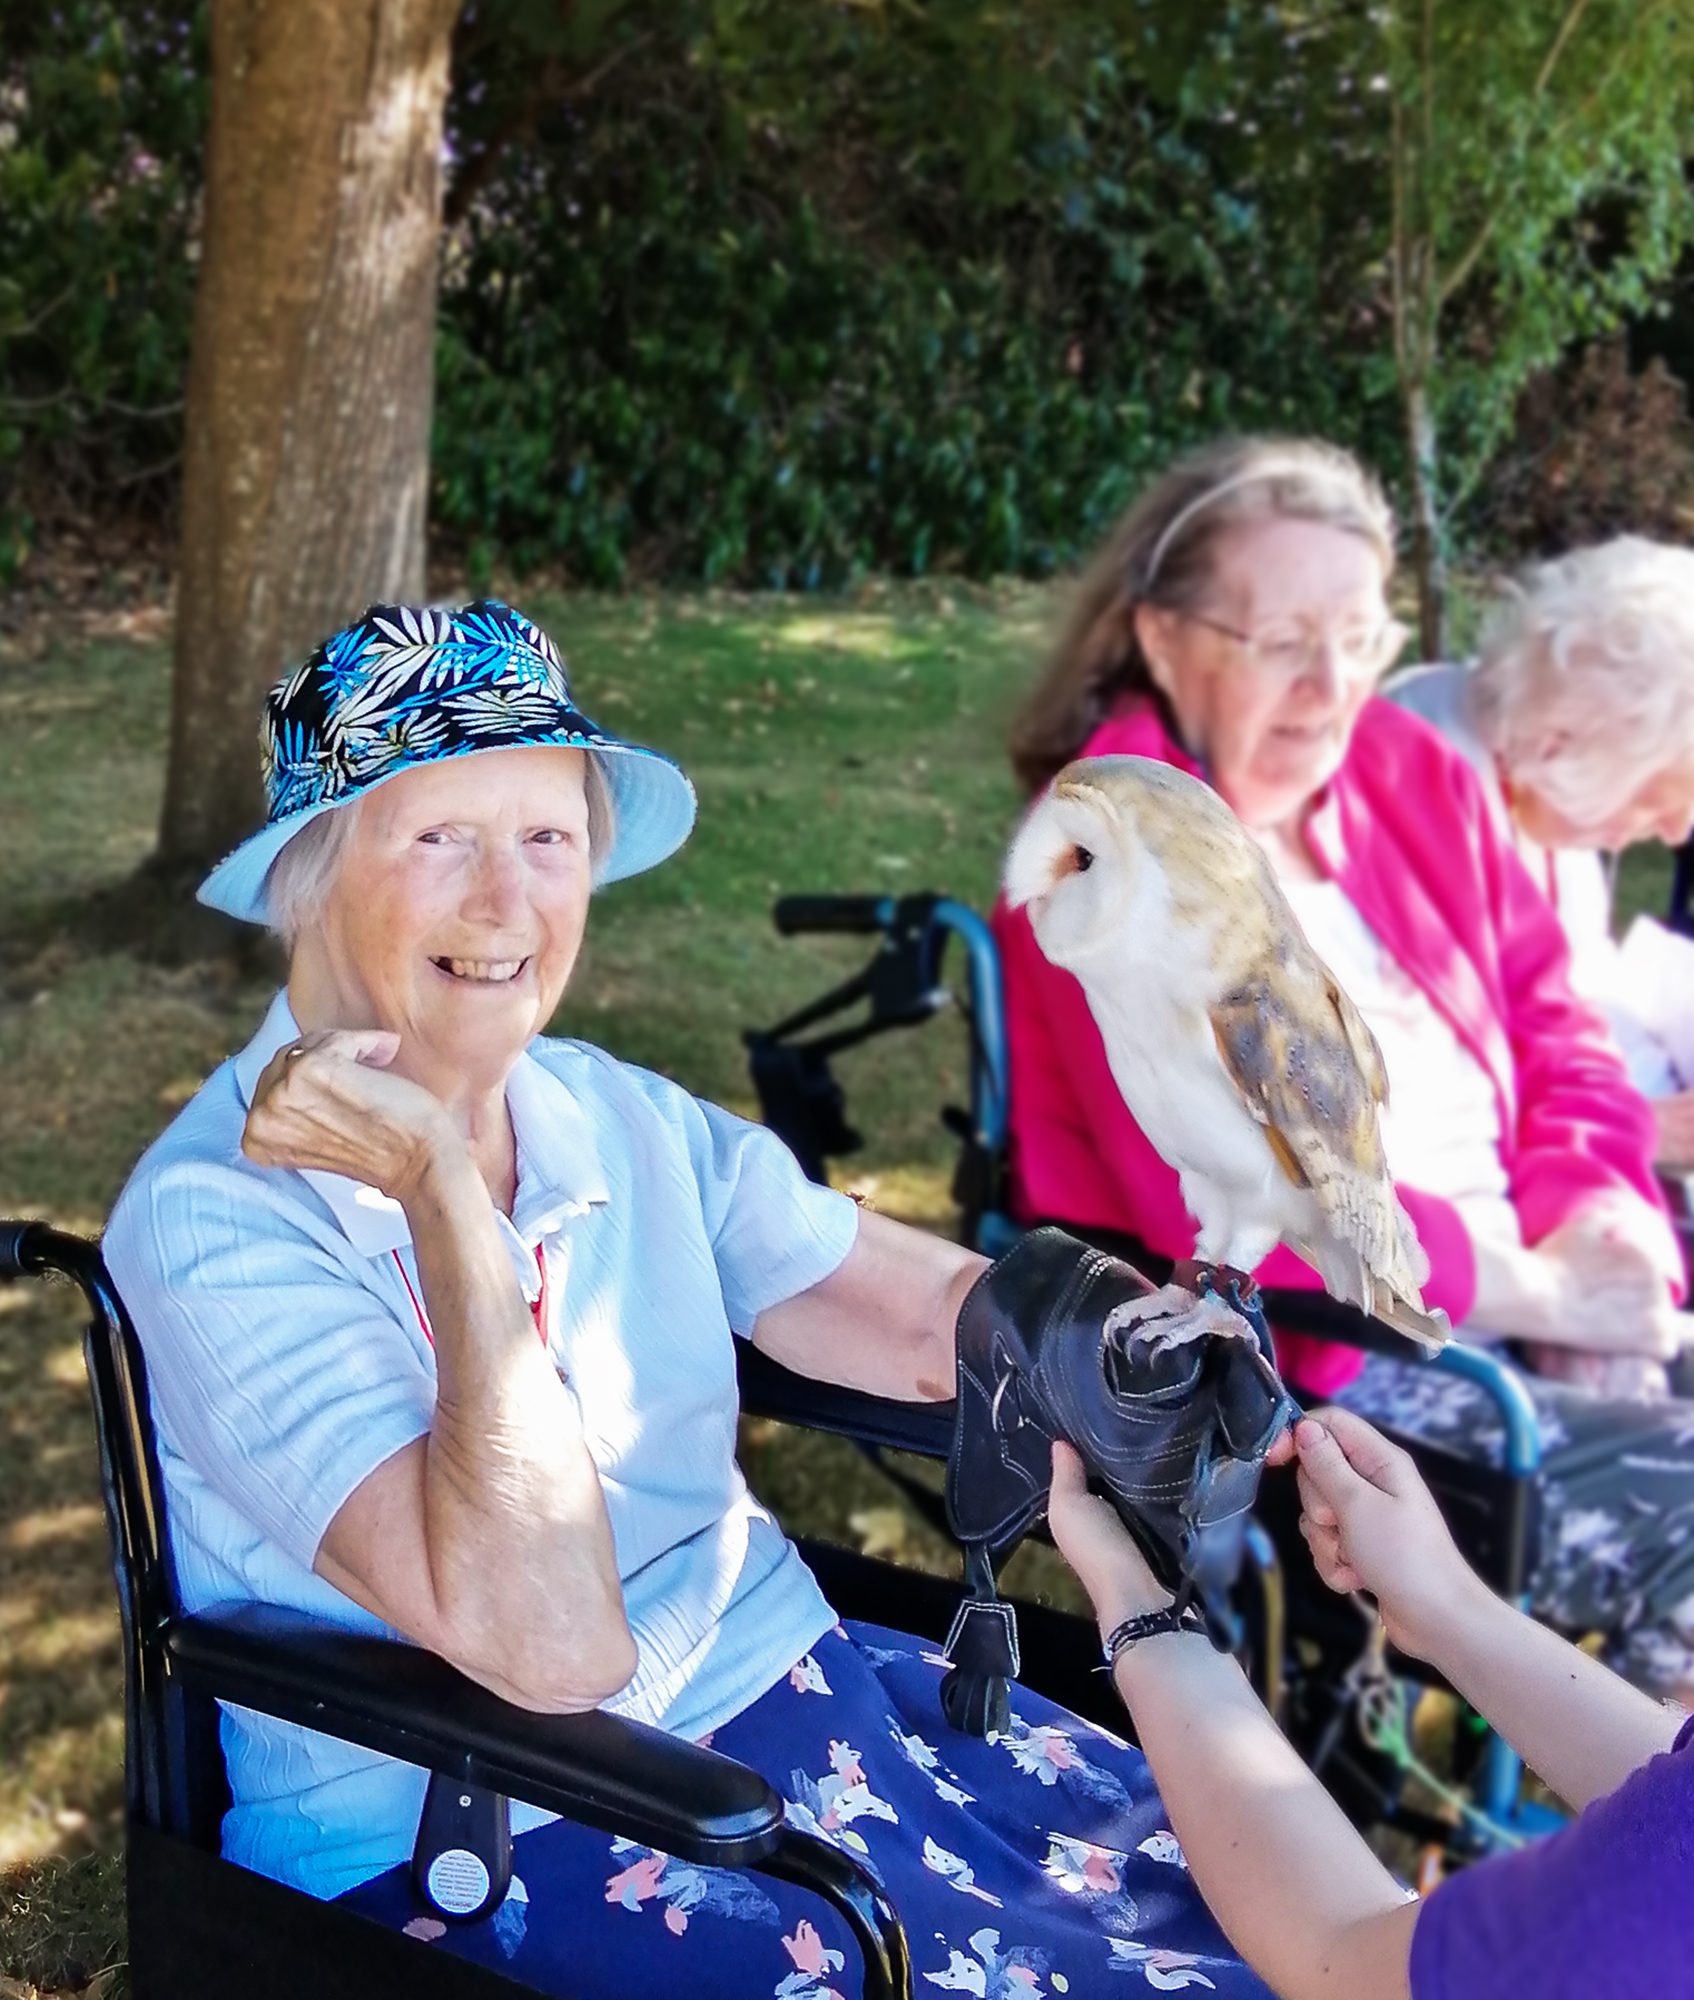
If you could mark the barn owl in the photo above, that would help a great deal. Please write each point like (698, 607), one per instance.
(1236, 1051)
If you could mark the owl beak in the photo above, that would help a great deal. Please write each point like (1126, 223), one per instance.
(1028, 875)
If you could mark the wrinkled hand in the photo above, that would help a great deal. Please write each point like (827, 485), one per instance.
(1610, 1291)
(327, 1102)
(1674, 1119)
(1371, 1524)
(1098, 1546)
(1625, 1377)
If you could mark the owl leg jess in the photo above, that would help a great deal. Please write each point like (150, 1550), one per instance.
(1218, 1278)
(1237, 1289)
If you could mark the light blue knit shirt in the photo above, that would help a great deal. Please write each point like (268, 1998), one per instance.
(286, 1362)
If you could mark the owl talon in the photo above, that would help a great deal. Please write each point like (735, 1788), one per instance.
(1173, 1316)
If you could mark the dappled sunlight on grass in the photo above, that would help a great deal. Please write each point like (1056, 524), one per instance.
(72, 1521)
(52, 1643)
(909, 1193)
(871, 634)
(63, 1365)
(20, 1610)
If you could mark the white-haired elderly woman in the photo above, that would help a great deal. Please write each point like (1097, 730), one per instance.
(1579, 714)
(438, 1316)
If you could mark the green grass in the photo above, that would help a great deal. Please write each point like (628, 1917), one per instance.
(837, 746)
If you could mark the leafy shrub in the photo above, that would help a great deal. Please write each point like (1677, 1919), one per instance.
(102, 107)
(659, 351)
(1597, 451)
(774, 296)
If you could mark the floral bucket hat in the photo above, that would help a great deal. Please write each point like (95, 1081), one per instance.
(406, 685)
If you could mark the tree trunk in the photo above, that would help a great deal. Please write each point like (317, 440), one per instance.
(312, 376)
(1429, 562)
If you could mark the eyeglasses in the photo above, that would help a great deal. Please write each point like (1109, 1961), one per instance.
(1293, 651)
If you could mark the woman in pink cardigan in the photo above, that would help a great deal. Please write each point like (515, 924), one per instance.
(1235, 625)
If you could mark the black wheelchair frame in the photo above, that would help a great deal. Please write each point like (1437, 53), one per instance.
(1494, 1514)
(201, 1924)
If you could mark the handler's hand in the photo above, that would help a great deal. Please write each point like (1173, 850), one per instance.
(326, 1102)
(1098, 1546)
(1371, 1525)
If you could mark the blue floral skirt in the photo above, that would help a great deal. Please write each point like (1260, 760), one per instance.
(1035, 1863)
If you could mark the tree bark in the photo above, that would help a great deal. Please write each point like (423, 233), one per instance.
(1429, 562)
(311, 379)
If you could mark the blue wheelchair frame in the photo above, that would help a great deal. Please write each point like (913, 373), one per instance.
(903, 986)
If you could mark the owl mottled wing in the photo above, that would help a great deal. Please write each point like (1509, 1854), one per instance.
(1310, 1071)
(1366, 1050)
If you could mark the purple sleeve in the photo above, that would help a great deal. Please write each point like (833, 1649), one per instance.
(1604, 1906)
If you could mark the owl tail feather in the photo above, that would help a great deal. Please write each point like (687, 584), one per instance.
(1429, 1329)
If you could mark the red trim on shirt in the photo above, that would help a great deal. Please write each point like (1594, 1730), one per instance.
(538, 1310)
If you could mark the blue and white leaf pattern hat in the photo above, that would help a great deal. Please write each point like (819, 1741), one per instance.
(410, 684)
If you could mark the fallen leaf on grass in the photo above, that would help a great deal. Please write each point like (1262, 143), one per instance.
(97, 1988)
(882, 1531)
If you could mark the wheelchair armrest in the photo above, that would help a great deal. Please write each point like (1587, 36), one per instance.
(603, 1770)
(770, 1390)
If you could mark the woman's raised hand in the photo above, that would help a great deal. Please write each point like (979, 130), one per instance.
(328, 1102)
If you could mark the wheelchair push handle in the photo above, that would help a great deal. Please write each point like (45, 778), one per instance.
(20, 1249)
(33, 1249)
(859, 914)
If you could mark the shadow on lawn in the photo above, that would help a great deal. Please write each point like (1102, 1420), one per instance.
(61, 1731)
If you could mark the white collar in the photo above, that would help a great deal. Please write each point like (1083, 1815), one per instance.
(559, 1171)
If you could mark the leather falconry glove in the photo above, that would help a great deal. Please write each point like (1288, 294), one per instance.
(1175, 1438)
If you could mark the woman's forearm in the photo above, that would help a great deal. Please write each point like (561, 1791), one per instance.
(1516, 1295)
(884, 1319)
(521, 1565)
(1581, 1728)
(1298, 1893)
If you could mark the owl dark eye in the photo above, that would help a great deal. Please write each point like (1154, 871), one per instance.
(1083, 858)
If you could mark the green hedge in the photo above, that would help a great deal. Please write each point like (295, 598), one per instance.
(695, 372)
(682, 336)
(102, 111)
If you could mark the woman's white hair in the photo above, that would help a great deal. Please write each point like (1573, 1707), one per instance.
(298, 886)
(1584, 687)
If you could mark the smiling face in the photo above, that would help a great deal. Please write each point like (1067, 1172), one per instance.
(1272, 735)
(457, 914)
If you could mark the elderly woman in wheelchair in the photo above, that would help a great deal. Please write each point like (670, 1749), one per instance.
(1235, 625)
(437, 1316)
